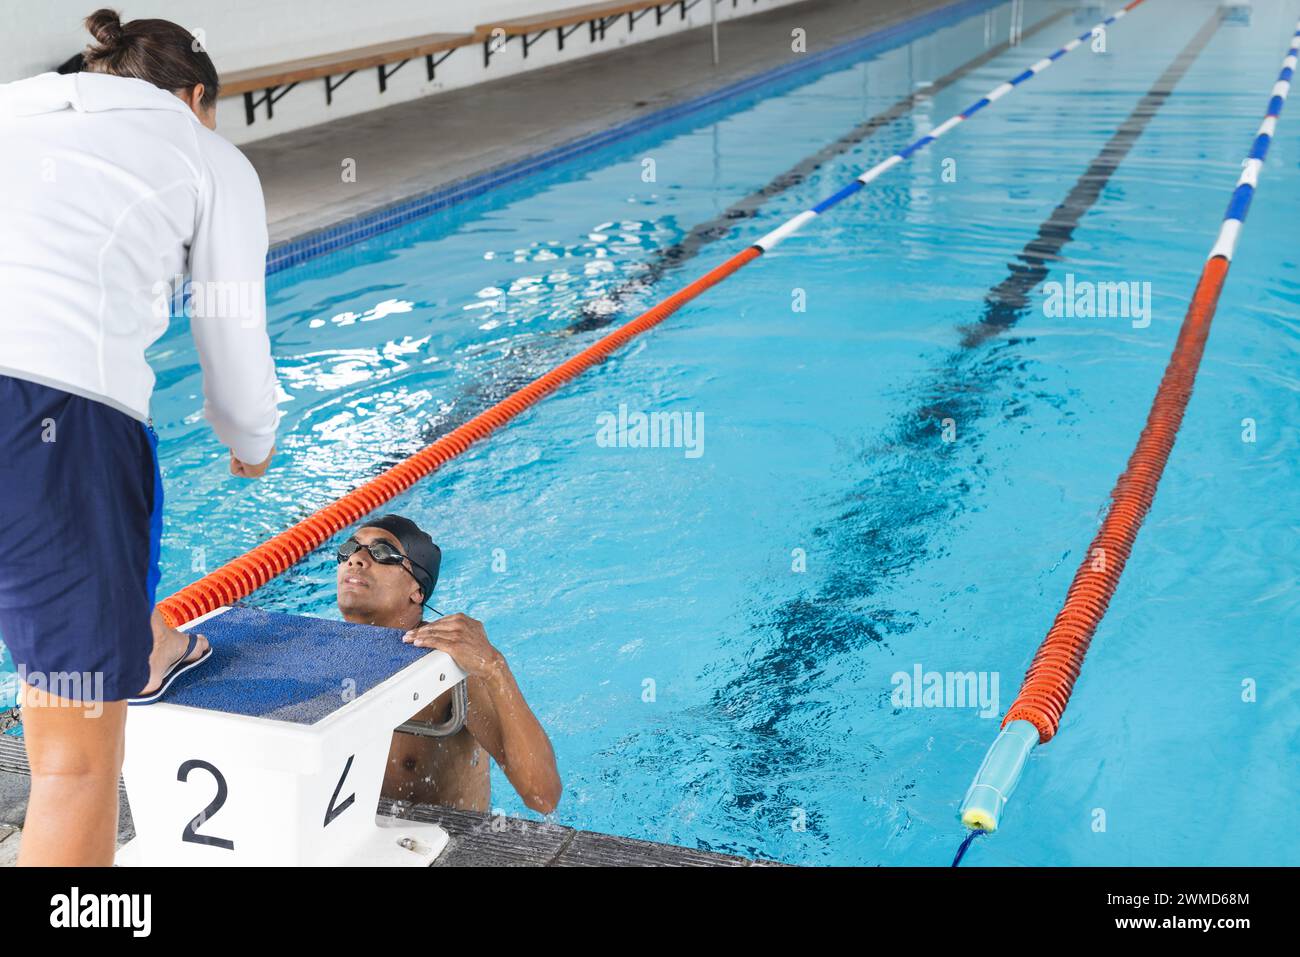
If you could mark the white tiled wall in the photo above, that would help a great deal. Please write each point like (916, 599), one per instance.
(239, 34)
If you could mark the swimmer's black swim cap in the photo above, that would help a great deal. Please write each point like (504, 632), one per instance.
(417, 544)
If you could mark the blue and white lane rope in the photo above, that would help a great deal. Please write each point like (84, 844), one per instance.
(1026, 724)
(1239, 205)
(794, 224)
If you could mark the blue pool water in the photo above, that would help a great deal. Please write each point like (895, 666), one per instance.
(711, 640)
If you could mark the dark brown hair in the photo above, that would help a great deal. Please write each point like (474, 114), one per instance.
(159, 51)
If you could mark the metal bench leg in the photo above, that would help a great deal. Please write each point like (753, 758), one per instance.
(561, 33)
(269, 96)
(487, 48)
(527, 42)
(431, 63)
(385, 73)
(331, 86)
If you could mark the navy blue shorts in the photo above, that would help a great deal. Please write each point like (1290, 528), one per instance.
(81, 518)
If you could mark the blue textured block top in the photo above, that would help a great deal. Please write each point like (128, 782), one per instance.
(289, 667)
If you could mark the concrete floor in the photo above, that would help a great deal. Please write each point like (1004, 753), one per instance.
(413, 148)
(9, 839)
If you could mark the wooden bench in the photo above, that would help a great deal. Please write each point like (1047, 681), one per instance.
(267, 85)
(596, 16)
(274, 81)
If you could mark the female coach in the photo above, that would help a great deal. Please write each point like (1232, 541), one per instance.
(112, 181)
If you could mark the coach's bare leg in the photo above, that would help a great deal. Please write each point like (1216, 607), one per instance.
(75, 752)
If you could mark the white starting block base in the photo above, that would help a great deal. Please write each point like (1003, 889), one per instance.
(394, 843)
(210, 788)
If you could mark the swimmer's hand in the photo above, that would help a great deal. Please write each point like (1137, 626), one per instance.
(244, 470)
(464, 639)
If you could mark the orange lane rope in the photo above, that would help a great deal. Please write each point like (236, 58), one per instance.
(1051, 676)
(249, 572)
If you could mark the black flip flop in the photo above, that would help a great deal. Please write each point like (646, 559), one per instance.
(175, 671)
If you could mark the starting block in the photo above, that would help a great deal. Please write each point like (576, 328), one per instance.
(273, 751)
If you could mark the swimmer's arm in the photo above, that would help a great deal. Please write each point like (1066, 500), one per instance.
(502, 722)
(499, 718)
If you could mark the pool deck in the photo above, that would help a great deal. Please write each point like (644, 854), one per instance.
(418, 147)
(414, 148)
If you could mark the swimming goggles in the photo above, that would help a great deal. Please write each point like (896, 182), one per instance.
(384, 554)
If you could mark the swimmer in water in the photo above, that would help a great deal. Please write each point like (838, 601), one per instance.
(387, 571)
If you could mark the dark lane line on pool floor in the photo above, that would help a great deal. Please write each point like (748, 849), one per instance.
(889, 522)
(597, 312)
(1007, 301)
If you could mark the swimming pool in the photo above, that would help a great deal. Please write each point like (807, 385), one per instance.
(698, 686)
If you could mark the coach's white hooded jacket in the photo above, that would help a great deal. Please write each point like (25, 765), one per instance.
(110, 189)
